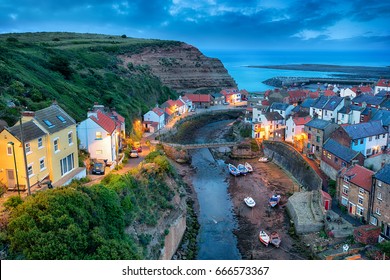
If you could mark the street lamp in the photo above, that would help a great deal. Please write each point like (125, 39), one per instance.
(16, 169)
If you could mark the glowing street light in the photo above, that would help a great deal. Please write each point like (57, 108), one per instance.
(16, 169)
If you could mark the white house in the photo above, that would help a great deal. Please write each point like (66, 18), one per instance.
(155, 115)
(326, 108)
(344, 92)
(295, 127)
(349, 114)
(99, 135)
(382, 84)
(283, 109)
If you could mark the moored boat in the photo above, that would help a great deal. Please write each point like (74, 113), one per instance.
(243, 170)
(249, 201)
(263, 159)
(275, 239)
(264, 237)
(233, 170)
(274, 200)
(249, 167)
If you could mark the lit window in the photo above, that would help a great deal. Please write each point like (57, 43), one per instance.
(99, 152)
(70, 138)
(40, 142)
(56, 145)
(98, 135)
(28, 147)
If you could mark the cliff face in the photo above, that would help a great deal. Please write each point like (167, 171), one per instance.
(182, 67)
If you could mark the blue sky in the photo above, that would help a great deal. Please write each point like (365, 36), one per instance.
(213, 24)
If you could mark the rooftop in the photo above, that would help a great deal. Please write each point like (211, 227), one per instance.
(363, 130)
(383, 174)
(359, 176)
(30, 131)
(318, 123)
(339, 150)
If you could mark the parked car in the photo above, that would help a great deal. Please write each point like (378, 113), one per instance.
(226, 103)
(98, 168)
(133, 154)
(137, 146)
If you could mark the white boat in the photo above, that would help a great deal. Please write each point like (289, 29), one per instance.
(275, 239)
(249, 167)
(249, 201)
(243, 170)
(274, 200)
(233, 170)
(263, 159)
(264, 238)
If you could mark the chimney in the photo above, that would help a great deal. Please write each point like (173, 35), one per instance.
(27, 116)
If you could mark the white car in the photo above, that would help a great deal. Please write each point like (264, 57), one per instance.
(226, 103)
(133, 154)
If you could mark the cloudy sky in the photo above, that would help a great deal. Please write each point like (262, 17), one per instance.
(213, 24)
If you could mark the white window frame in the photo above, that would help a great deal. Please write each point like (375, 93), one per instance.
(359, 210)
(56, 147)
(70, 138)
(27, 147)
(44, 164)
(373, 221)
(40, 142)
(379, 196)
(378, 211)
(96, 135)
(345, 190)
(361, 191)
(344, 200)
(30, 167)
(360, 198)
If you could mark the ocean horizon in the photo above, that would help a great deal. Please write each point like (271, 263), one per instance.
(236, 62)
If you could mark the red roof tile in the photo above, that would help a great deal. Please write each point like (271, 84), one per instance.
(301, 120)
(383, 83)
(119, 117)
(159, 112)
(198, 97)
(168, 111)
(329, 92)
(360, 176)
(104, 121)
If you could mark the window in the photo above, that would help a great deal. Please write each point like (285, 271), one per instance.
(379, 196)
(28, 147)
(292, 129)
(355, 142)
(361, 141)
(48, 123)
(376, 136)
(99, 152)
(309, 136)
(345, 190)
(317, 148)
(42, 164)
(368, 152)
(98, 135)
(336, 159)
(67, 164)
(9, 151)
(70, 138)
(360, 211)
(344, 201)
(318, 139)
(360, 200)
(30, 170)
(309, 128)
(61, 118)
(384, 135)
(370, 138)
(56, 145)
(40, 142)
(361, 191)
(379, 184)
(329, 156)
(373, 221)
(378, 211)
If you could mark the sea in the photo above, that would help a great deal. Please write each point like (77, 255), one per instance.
(236, 62)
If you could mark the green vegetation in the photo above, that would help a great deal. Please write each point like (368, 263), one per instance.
(76, 70)
(332, 188)
(79, 222)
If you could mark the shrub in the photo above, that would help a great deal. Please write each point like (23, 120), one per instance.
(13, 202)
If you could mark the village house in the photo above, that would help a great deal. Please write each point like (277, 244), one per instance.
(168, 115)
(154, 120)
(187, 102)
(50, 145)
(99, 135)
(382, 85)
(283, 109)
(272, 127)
(354, 189)
(317, 132)
(384, 117)
(295, 97)
(171, 105)
(368, 138)
(217, 99)
(199, 100)
(367, 100)
(36, 156)
(232, 95)
(347, 92)
(336, 156)
(307, 104)
(380, 214)
(295, 131)
(326, 108)
(349, 114)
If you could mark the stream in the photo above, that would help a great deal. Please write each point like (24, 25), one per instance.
(216, 240)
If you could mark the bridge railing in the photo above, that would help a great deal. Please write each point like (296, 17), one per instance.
(199, 146)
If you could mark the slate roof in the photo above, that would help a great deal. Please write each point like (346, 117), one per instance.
(345, 153)
(369, 99)
(308, 102)
(363, 130)
(55, 116)
(347, 109)
(383, 174)
(279, 106)
(273, 116)
(30, 131)
(318, 123)
(382, 115)
(359, 176)
(367, 111)
(386, 103)
(320, 102)
(216, 95)
(333, 102)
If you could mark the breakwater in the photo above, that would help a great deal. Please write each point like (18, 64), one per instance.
(299, 81)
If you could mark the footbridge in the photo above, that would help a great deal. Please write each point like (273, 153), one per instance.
(200, 146)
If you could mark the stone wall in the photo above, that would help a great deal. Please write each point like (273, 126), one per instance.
(289, 159)
(173, 238)
(329, 170)
(376, 162)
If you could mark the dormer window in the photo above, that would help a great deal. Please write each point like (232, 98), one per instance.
(61, 118)
(346, 178)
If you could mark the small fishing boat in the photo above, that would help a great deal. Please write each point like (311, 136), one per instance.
(275, 239)
(274, 200)
(233, 170)
(263, 159)
(249, 201)
(243, 170)
(264, 238)
(249, 167)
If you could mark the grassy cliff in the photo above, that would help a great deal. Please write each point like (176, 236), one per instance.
(76, 70)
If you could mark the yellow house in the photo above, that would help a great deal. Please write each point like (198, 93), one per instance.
(34, 163)
(50, 145)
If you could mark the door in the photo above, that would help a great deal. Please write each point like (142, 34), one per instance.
(351, 208)
(326, 204)
(11, 179)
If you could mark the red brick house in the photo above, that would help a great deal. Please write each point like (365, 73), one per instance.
(367, 234)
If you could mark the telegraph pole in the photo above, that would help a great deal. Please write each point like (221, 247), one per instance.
(24, 158)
